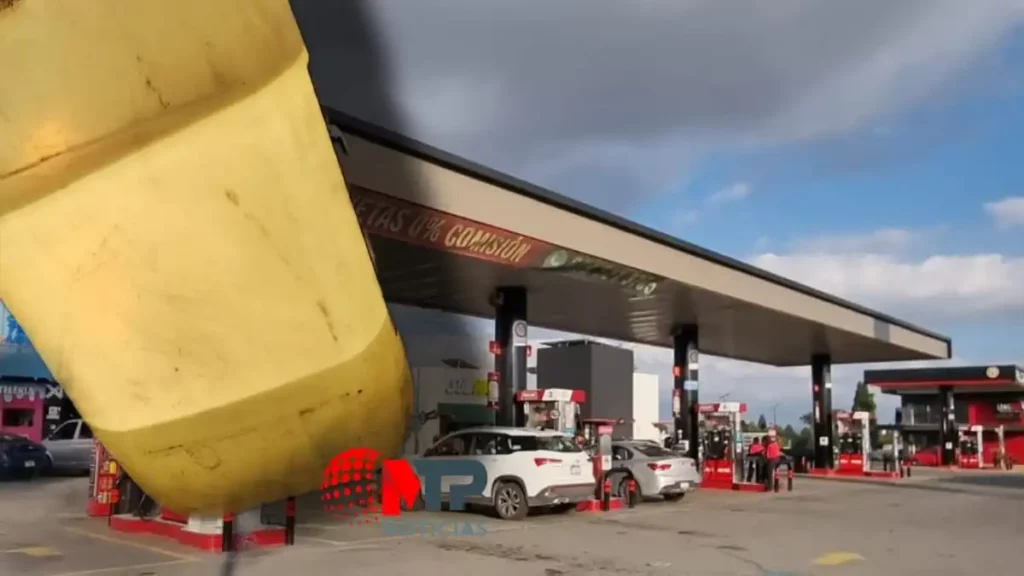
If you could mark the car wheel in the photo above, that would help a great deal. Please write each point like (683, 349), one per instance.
(675, 497)
(620, 488)
(510, 501)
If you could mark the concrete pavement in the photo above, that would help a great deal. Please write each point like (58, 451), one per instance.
(938, 524)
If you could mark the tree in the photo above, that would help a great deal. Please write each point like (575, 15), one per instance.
(864, 399)
(807, 419)
(762, 423)
(803, 441)
(789, 432)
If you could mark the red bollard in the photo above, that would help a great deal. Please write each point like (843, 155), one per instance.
(631, 486)
(227, 533)
(606, 496)
(789, 480)
(289, 521)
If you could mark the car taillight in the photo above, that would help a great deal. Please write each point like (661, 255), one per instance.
(659, 467)
(543, 461)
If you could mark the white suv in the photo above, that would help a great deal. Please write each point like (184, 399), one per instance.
(526, 468)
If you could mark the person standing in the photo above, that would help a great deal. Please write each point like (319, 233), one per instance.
(773, 454)
(754, 455)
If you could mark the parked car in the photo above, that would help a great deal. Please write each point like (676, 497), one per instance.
(526, 468)
(925, 457)
(21, 457)
(70, 447)
(658, 472)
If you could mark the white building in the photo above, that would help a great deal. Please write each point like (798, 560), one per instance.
(459, 395)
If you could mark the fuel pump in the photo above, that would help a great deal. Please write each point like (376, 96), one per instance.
(897, 452)
(970, 449)
(853, 430)
(597, 432)
(551, 408)
(722, 444)
(680, 445)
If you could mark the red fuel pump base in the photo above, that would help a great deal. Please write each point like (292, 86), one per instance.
(208, 542)
(717, 475)
(850, 465)
(971, 463)
(174, 526)
(594, 505)
(853, 474)
(604, 491)
(94, 509)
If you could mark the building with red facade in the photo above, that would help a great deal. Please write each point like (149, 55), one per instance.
(939, 402)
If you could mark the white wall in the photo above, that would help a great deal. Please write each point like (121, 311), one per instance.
(435, 385)
(639, 403)
(645, 406)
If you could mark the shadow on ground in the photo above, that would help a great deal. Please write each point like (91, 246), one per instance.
(1015, 481)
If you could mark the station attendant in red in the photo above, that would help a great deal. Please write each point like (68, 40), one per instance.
(773, 454)
(754, 455)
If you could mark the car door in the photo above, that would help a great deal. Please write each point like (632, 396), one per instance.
(58, 444)
(622, 459)
(492, 450)
(454, 447)
(80, 451)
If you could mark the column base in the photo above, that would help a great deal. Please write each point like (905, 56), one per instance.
(204, 532)
(594, 505)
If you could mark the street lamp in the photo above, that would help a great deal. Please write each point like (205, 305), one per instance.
(724, 396)
(775, 421)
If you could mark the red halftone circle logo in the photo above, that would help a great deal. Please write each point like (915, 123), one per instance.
(349, 487)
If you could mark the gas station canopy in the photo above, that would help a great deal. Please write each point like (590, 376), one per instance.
(959, 379)
(445, 233)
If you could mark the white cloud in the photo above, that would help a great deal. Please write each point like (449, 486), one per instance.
(732, 193)
(1007, 213)
(930, 288)
(883, 241)
(642, 84)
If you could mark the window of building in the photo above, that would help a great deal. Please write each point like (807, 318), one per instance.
(17, 417)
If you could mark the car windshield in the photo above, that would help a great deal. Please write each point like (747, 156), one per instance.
(653, 451)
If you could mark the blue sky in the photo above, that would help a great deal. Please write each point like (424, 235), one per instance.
(903, 192)
(868, 148)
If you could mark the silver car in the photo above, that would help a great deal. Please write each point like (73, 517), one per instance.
(658, 472)
(70, 447)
